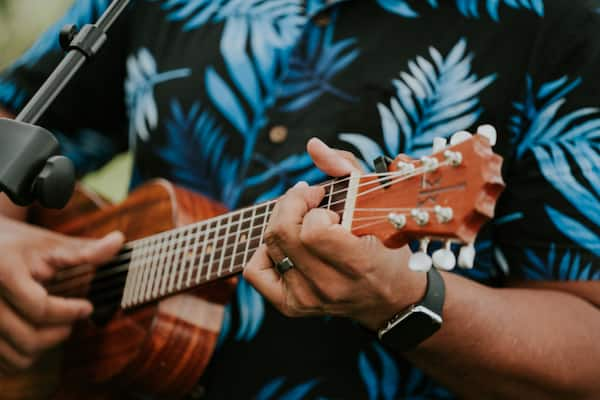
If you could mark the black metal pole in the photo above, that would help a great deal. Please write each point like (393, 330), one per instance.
(84, 45)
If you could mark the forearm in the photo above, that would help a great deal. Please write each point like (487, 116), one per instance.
(514, 343)
(7, 208)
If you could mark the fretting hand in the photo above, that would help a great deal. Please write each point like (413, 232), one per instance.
(332, 271)
(31, 320)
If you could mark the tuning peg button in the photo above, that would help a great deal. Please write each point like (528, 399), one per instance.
(444, 258)
(419, 261)
(459, 137)
(439, 144)
(466, 256)
(489, 132)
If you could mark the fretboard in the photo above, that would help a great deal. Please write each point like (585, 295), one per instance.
(186, 257)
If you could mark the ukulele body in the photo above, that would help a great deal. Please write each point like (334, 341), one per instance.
(158, 350)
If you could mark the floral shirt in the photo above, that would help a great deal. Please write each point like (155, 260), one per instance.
(220, 96)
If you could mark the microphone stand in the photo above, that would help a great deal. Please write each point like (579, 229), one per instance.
(30, 167)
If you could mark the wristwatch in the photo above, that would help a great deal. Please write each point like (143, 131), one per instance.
(418, 322)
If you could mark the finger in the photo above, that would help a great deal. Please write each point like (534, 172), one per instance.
(325, 238)
(331, 161)
(24, 337)
(290, 293)
(73, 252)
(12, 361)
(32, 301)
(261, 274)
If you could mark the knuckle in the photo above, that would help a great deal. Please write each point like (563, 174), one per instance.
(28, 344)
(311, 237)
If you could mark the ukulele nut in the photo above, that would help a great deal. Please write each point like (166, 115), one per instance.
(397, 220)
(421, 217)
(443, 214)
(455, 158)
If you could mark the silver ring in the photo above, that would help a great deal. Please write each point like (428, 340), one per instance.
(284, 265)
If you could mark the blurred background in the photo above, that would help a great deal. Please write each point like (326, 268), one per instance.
(21, 22)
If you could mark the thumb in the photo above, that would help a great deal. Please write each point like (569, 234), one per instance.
(73, 252)
(331, 161)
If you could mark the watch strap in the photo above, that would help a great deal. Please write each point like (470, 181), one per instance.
(434, 293)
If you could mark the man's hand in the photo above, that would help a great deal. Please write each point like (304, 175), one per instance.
(335, 272)
(31, 320)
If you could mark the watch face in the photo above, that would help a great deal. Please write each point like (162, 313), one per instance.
(412, 328)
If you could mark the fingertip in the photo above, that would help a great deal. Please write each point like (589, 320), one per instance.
(85, 309)
(314, 143)
(115, 237)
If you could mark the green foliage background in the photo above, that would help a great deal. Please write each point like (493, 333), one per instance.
(21, 22)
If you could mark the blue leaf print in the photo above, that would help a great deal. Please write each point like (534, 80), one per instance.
(468, 8)
(535, 120)
(567, 268)
(142, 77)
(384, 386)
(81, 13)
(298, 392)
(434, 99)
(194, 149)
(369, 376)
(11, 96)
(252, 311)
(583, 195)
(226, 101)
(277, 23)
(313, 65)
(270, 389)
(88, 149)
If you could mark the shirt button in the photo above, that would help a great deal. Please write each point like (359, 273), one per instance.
(278, 134)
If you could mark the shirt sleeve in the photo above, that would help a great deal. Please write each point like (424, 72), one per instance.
(549, 227)
(89, 117)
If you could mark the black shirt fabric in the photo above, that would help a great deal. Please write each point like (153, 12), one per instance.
(221, 96)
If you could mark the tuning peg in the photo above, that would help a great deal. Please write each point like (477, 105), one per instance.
(443, 214)
(439, 144)
(466, 256)
(397, 220)
(459, 137)
(444, 258)
(430, 163)
(420, 261)
(420, 216)
(489, 132)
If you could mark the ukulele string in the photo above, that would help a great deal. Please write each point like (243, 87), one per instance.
(119, 268)
(124, 256)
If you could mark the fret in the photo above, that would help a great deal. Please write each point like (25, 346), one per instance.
(265, 221)
(154, 261)
(166, 242)
(329, 187)
(135, 297)
(168, 262)
(249, 236)
(148, 260)
(125, 301)
(205, 240)
(178, 268)
(233, 252)
(223, 246)
(187, 261)
(213, 248)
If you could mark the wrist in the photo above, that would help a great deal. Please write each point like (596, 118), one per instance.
(406, 290)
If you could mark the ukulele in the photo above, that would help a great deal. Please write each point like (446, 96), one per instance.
(159, 304)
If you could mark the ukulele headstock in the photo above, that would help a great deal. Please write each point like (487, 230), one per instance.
(447, 196)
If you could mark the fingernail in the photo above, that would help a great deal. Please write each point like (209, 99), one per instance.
(301, 184)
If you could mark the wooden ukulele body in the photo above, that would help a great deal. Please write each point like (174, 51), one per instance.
(159, 350)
